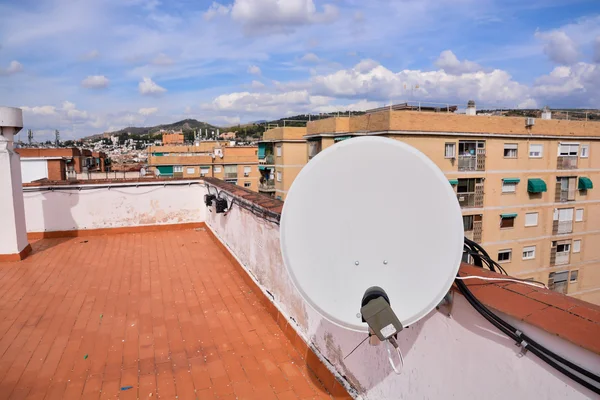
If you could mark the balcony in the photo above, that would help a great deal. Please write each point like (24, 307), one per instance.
(566, 162)
(471, 162)
(171, 299)
(230, 175)
(267, 186)
(470, 200)
(562, 227)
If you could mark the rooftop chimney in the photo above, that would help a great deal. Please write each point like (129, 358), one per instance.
(471, 110)
(546, 113)
(13, 233)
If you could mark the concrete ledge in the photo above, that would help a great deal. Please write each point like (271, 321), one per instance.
(16, 256)
(113, 231)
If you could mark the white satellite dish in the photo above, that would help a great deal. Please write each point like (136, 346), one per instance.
(366, 212)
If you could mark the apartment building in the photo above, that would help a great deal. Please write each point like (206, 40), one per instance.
(172, 138)
(233, 164)
(57, 164)
(525, 185)
(281, 156)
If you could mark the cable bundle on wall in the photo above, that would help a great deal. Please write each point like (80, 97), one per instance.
(566, 367)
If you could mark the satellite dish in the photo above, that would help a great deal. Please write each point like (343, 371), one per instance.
(371, 212)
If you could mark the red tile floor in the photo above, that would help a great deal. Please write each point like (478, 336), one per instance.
(139, 316)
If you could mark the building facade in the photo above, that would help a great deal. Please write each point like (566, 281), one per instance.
(233, 164)
(172, 138)
(57, 164)
(525, 186)
(281, 155)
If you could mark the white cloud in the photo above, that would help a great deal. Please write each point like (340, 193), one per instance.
(257, 85)
(73, 113)
(95, 82)
(148, 87)
(268, 16)
(91, 55)
(148, 111)
(254, 70)
(559, 47)
(162, 59)
(40, 110)
(13, 68)
(216, 10)
(310, 58)
(452, 65)
(575, 84)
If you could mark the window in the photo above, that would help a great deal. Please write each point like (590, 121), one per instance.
(278, 197)
(579, 215)
(190, 171)
(531, 219)
(509, 186)
(567, 189)
(278, 150)
(178, 168)
(536, 150)
(278, 176)
(247, 171)
(504, 255)
(507, 222)
(577, 246)
(568, 149)
(450, 150)
(217, 169)
(563, 248)
(510, 150)
(574, 276)
(528, 252)
(204, 171)
(585, 150)
(247, 184)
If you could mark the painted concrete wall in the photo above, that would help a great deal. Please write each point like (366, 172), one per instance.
(32, 170)
(62, 210)
(461, 356)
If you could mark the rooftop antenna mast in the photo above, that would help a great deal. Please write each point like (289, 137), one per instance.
(29, 136)
(56, 138)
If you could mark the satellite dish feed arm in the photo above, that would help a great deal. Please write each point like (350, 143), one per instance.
(378, 314)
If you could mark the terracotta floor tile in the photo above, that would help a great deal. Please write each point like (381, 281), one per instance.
(164, 312)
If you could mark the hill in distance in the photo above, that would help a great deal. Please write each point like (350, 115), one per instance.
(186, 125)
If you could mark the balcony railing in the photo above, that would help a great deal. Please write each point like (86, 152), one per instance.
(267, 186)
(562, 227)
(230, 175)
(269, 159)
(471, 162)
(470, 199)
(566, 162)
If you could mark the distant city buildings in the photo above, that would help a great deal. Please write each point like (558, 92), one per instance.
(58, 164)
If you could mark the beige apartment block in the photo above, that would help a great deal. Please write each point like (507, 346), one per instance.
(281, 154)
(234, 164)
(525, 186)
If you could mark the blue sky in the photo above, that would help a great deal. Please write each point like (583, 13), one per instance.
(90, 66)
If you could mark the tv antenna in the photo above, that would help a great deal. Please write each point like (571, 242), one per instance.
(29, 136)
(374, 260)
(56, 138)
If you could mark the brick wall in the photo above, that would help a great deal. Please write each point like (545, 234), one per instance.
(56, 170)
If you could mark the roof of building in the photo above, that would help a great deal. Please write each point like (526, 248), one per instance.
(162, 314)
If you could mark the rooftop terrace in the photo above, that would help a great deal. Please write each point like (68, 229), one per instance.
(138, 284)
(165, 313)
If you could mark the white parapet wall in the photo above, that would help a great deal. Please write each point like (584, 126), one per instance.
(462, 356)
(113, 205)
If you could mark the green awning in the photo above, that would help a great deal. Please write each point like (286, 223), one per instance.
(340, 138)
(262, 147)
(165, 169)
(508, 215)
(585, 183)
(157, 154)
(261, 167)
(453, 181)
(511, 180)
(536, 185)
